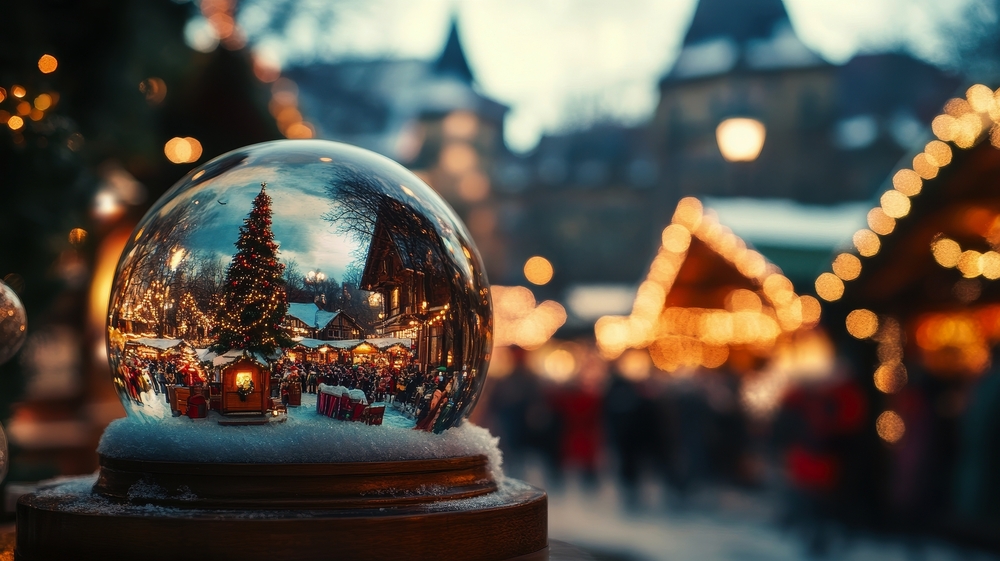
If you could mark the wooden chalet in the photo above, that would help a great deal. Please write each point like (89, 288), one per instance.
(408, 272)
(246, 387)
(309, 321)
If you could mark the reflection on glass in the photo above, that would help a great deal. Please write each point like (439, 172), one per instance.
(13, 323)
(301, 276)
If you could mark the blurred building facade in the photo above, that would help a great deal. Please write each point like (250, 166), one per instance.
(593, 201)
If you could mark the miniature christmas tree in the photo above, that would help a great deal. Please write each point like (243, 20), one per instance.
(255, 301)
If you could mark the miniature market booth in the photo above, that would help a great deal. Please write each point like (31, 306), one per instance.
(246, 385)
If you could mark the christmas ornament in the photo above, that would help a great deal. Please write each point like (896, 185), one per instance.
(303, 273)
(13, 324)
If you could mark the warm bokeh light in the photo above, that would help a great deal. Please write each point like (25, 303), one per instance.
(538, 270)
(18, 91)
(3, 94)
(299, 130)
(895, 204)
(23, 108)
(740, 139)
(907, 182)
(969, 263)
(938, 153)
(155, 89)
(560, 365)
(866, 242)
(862, 324)
(15, 123)
(47, 64)
(43, 102)
(460, 125)
(880, 223)
(182, 150)
(676, 238)
(474, 187)
(829, 287)
(946, 252)
(990, 264)
(635, 364)
(458, 158)
(519, 321)
(981, 98)
(890, 378)
(77, 236)
(689, 213)
(847, 266)
(811, 310)
(890, 427)
(924, 167)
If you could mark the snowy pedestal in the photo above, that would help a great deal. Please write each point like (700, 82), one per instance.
(308, 488)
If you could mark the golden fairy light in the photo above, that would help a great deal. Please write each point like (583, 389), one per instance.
(880, 222)
(907, 182)
(538, 270)
(890, 377)
(946, 252)
(829, 287)
(862, 324)
(15, 122)
(924, 167)
(866, 242)
(18, 91)
(43, 102)
(47, 64)
(938, 153)
(182, 150)
(676, 238)
(890, 427)
(895, 204)
(969, 263)
(847, 266)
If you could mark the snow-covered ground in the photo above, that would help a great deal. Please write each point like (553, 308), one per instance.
(717, 525)
(303, 437)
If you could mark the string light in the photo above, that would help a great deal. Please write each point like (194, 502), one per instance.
(679, 337)
(48, 64)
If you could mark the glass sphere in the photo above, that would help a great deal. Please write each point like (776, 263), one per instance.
(13, 323)
(300, 280)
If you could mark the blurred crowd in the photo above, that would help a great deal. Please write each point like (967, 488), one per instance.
(816, 451)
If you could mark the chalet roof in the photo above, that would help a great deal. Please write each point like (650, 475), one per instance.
(161, 344)
(740, 20)
(310, 314)
(727, 35)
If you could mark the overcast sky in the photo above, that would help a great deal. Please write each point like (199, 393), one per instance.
(558, 63)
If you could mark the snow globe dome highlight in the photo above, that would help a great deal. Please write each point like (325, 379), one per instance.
(303, 282)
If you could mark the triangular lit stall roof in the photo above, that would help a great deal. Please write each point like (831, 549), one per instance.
(380, 343)
(932, 248)
(162, 344)
(706, 294)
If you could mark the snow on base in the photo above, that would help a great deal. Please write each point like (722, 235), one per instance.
(305, 437)
(75, 494)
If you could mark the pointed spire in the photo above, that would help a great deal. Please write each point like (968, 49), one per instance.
(452, 59)
(739, 20)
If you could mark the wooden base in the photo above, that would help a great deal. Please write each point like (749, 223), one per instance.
(513, 527)
(293, 486)
(433, 510)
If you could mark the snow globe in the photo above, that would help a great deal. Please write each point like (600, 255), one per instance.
(297, 331)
